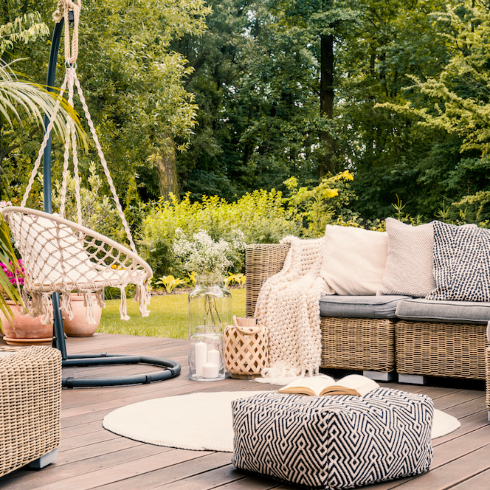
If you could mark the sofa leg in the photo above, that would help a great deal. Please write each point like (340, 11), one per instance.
(411, 379)
(43, 461)
(379, 376)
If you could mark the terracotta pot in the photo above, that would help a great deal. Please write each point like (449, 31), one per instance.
(24, 327)
(78, 326)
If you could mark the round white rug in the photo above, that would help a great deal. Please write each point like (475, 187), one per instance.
(201, 421)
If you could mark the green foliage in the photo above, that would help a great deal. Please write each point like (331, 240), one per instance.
(233, 90)
(132, 80)
(24, 29)
(320, 205)
(259, 215)
(262, 217)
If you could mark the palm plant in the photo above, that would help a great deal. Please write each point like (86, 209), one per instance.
(19, 99)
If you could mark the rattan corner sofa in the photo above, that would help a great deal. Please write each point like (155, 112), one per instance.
(419, 338)
(30, 408)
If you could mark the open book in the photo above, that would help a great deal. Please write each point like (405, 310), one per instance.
(353, 384)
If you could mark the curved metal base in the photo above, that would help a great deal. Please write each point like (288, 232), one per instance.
(171, 370)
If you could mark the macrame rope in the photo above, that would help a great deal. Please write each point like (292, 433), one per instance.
(70, 75)
(43, 145)
(66, 156)
(104, 163)
(64, 7)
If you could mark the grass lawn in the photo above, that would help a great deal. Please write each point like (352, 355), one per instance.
(168, 317)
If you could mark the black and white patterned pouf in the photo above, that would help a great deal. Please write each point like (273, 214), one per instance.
(333, 442)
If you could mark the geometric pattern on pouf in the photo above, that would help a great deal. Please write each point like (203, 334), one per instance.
(334, 442)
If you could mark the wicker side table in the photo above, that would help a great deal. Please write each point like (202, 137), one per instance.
(30, 407)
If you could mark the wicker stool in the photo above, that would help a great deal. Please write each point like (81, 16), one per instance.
(30, 404)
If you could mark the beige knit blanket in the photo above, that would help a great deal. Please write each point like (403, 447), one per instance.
(289, 305)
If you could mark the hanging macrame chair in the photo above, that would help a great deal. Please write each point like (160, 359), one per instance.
(60, 256)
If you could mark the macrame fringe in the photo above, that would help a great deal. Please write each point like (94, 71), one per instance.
(123, 309)
(98, 298)
(36, 305)
(66, 305)
(47, 309)
(26, 302)
(88, 302)
(143, 297)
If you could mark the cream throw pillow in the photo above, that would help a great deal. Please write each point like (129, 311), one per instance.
(354, 260)
(409, 266)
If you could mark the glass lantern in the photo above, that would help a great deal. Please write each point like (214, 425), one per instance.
(210, 310)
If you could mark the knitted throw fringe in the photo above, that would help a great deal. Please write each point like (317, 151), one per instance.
(289, 305)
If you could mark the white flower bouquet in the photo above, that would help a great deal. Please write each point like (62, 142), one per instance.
(203, 255)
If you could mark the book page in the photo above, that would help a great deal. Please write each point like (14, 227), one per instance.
(359, 383)
(308, 386)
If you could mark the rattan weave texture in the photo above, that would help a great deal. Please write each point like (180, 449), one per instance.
(441, 349)
(30, 406)
(262, 261)
(487, 365)
(360, 344)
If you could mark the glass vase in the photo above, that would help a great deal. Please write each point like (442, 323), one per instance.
(210, 310)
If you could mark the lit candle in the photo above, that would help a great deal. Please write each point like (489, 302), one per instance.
(210, 370)
(214, 357)
(201, 354)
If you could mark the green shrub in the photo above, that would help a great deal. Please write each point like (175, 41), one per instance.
(261, 216)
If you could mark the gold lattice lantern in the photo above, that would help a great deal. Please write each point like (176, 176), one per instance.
(245, 345)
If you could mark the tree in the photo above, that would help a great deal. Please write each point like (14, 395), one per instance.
(132, 81)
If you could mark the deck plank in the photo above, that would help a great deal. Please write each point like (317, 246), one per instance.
(90, 457)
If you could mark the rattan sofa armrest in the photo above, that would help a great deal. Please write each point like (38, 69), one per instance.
(261, 262)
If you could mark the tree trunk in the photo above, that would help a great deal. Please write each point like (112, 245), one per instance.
(327, 95)
(166, 163)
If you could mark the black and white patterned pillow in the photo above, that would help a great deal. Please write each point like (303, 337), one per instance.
(461, 263)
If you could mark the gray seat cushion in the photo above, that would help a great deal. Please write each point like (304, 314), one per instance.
(427, 310)
(359, 306)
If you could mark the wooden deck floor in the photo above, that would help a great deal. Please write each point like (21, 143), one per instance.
(91, 457)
